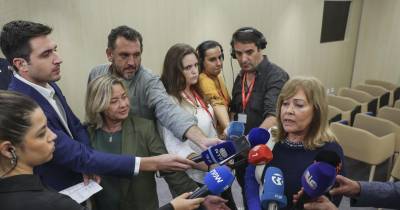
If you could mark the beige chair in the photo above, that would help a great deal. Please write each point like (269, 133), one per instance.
(389, 113)
(394, 89)
(380, 127)
(364, 146)
(395, 171)
(334, 114)
(397, 104)
(376, 91)
(368, 102)
(349, 107)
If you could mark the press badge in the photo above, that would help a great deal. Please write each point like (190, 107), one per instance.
(242, 117)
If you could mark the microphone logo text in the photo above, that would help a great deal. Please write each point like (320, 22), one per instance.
(216, 176)
(309, 179)
(277, 179)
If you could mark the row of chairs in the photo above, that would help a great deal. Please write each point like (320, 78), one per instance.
(363, 136)
(367, 97)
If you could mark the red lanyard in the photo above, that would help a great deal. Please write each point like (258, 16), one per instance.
(246, 97)
(202, 104)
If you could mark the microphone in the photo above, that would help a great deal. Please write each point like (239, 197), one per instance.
(235, 128)
(223, 152)
(330, 157)
(215, 182)
(218, 153)
(317, 179)
(273, 196)
(260, 155)
(258, 136)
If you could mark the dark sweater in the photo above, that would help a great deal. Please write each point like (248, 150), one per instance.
(292, 159)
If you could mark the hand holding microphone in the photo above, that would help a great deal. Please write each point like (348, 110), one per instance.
(317, 179)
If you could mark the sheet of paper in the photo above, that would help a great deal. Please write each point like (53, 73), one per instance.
(80, 192)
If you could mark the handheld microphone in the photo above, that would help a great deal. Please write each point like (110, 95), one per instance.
(215, 182)
(273, 196)
(217, 153)
(317, 179)
(260, 155)
(330, 157)
(258, 136)
(235, 128)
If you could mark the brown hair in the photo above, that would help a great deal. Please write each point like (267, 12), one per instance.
(172, 75)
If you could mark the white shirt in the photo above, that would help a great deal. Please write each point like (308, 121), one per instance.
(185, 148)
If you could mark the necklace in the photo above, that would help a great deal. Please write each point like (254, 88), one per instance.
(110, 133)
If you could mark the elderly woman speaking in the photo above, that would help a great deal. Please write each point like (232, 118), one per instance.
(302, 133)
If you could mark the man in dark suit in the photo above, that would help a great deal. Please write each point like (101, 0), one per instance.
(5, 74)
(34, 57)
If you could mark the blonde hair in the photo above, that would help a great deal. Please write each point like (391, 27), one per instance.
(98, 98)
(319, 132)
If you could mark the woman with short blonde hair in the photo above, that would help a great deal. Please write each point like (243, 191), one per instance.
(98, 99)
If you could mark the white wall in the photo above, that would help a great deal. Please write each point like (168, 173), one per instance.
(378, 50)
(292, 28)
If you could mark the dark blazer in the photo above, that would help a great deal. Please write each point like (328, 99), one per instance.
(378, 195)
(5, 74)
(27, 192)
(72, 156)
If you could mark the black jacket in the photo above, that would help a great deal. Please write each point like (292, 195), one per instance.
(27, 192)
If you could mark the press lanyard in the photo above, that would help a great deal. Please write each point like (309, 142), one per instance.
(246, 97)
(202, 104)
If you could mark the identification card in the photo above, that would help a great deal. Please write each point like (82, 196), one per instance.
(242, 117)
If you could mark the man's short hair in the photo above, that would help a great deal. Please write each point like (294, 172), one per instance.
(15, 37)
(249, 35)
(126, 32)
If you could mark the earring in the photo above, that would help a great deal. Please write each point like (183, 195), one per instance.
(14, 157)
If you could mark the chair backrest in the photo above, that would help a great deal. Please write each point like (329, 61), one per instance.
(393, 88)
(377, 91)
(397, 104)
(390, 113)
(346, 105)
(384, 84)
(369, 103)
(378, 126)
(334, 114)
(396, 169)
(362, 145)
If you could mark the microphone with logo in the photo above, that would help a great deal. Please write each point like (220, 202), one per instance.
(226, 151)
(260, 155)
(217, 154)
(317, 179)
(273, 196)
(215, 182)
